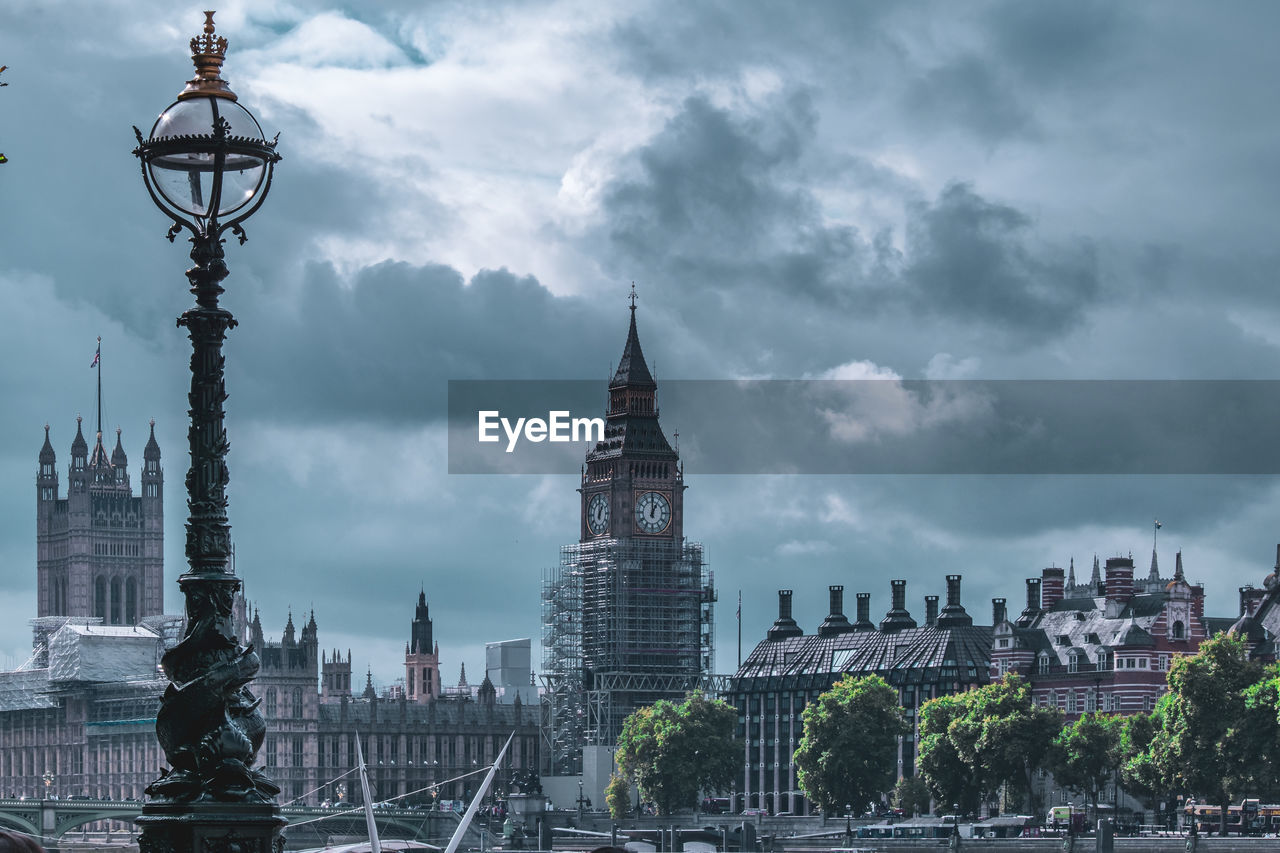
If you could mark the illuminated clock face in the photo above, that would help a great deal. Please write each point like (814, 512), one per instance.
(598, 514)
(653, 512)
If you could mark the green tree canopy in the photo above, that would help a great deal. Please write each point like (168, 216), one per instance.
(950, 778)
(911, 794)
(1087, 753)
(674, 751)
(848, 754)
(972, 743)
(1138, 769)
(617, 795)
(1212, 742)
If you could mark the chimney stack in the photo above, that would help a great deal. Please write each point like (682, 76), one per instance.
(785, 626)
(864, 622)
(1119, 581)
(1051, 589)
(999, 610)
(954, 615)
(931, 610)
(898, 618)
(835, 623)
(1032, 609)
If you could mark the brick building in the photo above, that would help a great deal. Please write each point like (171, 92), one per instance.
(1107, 645)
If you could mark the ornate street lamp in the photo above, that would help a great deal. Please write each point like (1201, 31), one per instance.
(208, 167)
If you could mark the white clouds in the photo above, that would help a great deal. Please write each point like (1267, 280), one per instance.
(944, 365)
(873, 402)
(803, 548)
(332, 39)
(859, 370)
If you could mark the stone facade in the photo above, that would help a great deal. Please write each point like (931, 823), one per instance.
(100, 549)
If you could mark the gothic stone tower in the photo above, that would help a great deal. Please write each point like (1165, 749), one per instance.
(100, 550)
(628, 614)
(335, 677)
(421, 657)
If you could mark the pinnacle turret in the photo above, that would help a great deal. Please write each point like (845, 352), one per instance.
(47, 456)
(118, 457)
(79, 447)
(152, 450)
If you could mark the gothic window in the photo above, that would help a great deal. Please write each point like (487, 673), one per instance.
(297, 703)
(1179, 630)
(100, 597)
(271, 702)
(412, 672)
(115, 601)
(131, 602)
(269, 748)
(297, 752)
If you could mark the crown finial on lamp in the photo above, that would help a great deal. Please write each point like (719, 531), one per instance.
(208, 51)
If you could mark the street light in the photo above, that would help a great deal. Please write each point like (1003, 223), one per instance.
(208, 167)
(47, 778)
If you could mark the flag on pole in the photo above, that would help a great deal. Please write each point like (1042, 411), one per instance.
(97, 356)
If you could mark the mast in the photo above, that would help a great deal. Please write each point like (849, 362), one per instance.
(375, 846)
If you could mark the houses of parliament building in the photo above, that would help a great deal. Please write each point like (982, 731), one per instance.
(78, 717)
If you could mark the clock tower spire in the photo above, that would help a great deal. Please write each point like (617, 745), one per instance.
(632, 484)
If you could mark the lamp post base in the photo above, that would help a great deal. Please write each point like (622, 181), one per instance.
(210, 828)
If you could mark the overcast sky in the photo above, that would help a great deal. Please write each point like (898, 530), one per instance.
(983, 190)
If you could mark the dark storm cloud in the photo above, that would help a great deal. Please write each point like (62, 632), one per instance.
(382, 346)
(1054, 44)
(969, 257)
(724, 203)
(967, 93)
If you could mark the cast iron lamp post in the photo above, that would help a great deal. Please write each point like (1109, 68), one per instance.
(207, 166)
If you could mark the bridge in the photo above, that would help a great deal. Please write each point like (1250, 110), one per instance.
(51, 819)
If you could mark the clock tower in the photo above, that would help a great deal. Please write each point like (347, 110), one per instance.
(632, 483)
(628, 613)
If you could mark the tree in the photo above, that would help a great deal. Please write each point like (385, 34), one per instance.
(849, 750)
(617, 794)
(1138, 769)
(1086, 753)
(675, 751)
(911, 794)
(1211, 742)
(950, 778)
(973, 743)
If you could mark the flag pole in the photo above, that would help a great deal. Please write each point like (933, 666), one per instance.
(98, 361)
(739, 628)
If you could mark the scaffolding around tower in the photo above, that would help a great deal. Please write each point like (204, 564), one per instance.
(626, 622)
